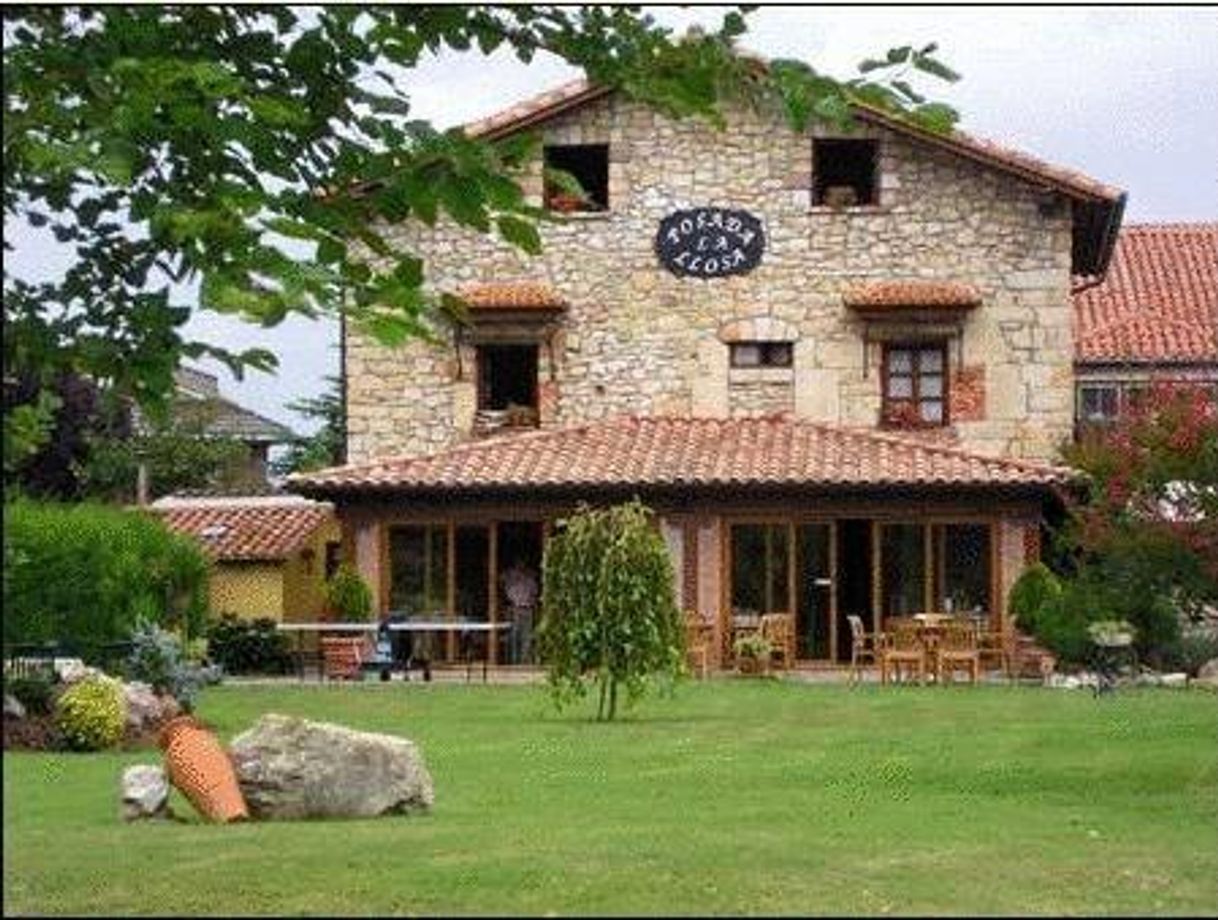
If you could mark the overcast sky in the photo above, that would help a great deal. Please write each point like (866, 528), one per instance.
(1128, 96)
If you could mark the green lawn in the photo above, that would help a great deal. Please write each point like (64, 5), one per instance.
(733, 797)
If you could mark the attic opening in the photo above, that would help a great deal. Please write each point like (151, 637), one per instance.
(507, 383)
(844, 172)
(589, 164)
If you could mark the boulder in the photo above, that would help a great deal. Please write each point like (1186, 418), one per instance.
(1208, 671)
(145, 793)
(1175, 679)
(73, 670)
(294, 768)
(146, 709)
(13, 708)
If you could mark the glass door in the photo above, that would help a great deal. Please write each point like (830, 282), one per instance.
(814, 591)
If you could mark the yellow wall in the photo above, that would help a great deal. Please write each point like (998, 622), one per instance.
(304, 582)
(248, 589)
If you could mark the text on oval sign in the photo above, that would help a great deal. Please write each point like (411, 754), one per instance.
(710, 242)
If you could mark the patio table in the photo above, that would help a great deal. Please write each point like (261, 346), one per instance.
(466, 629)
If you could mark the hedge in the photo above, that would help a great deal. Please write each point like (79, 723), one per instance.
(85, 575)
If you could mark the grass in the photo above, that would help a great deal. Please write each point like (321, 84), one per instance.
(733, 797)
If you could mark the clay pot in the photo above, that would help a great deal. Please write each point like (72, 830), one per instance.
(199, 766)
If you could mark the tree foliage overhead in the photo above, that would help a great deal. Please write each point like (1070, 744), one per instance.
(223, 145)
(609, 617)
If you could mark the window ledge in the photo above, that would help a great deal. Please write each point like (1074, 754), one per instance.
(564, 216)
(858, 209)
(760, 374)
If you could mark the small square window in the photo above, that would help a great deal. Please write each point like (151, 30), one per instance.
(844, 172)
(762, 354)
(589, 165)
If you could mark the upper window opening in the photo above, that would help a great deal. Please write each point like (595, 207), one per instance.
(761, 354)
(844, 172)
(507, 385)
(915, 385)
(589, 164)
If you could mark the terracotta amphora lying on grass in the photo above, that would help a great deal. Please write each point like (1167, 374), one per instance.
(199, 766)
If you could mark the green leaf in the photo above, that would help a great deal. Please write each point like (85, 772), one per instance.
(520, 233)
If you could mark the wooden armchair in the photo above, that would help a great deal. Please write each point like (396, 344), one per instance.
(697, 643)
(341, 658)
(864, 646)
(958, 650)
(903, 649)
(1026, 658)
(779, 630)
(993, 650)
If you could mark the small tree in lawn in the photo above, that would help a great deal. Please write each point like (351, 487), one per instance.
(609, 617)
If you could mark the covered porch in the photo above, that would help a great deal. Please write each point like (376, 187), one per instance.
(761, 516)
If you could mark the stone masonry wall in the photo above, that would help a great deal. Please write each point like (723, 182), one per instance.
(637, 339)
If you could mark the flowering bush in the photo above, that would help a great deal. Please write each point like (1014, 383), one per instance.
(92, 714)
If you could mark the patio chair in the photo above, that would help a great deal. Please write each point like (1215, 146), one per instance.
(958, 650)
(341, 658)
(903, 649)
(697, 643)
(1026, 658)
(993, 650)
(779, 630)
(864, 646)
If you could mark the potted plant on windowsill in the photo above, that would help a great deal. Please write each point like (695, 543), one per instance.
(753, 654)
(901, 415)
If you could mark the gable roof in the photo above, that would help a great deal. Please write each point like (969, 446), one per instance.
(1098, 207)
(1159, 301)
(245, 529)
(197, 398)
(683, 452)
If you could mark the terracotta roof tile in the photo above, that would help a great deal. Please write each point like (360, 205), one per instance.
(897, 294)
(512, 295)
(249, 529)
(1159, 301)
(685, 452)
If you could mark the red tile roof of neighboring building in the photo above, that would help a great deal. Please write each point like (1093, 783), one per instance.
(1159, 301)
(898, 294)
(512, 295)
(685, 452)
(245, 529)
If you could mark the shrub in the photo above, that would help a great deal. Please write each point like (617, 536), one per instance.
(248, 646)
(157, 660)
(35, 692)
(92, 714)
(349, 597)
(608, 612)
(1030, 593)
(1191, 650)
(85, 575)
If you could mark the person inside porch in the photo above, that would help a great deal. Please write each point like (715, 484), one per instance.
(519, 583)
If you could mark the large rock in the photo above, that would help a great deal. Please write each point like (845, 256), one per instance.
(1207, 675)
(294, 768)
(145, 793)
(147, 710)
(13, 708)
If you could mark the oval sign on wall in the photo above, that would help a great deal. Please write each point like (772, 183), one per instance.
(710, 242)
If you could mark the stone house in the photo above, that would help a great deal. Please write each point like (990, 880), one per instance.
(1154, 317)
(836, 364)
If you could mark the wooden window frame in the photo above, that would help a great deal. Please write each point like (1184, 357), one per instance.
(888, 402)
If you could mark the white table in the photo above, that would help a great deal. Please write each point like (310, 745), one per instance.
(466, 628)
